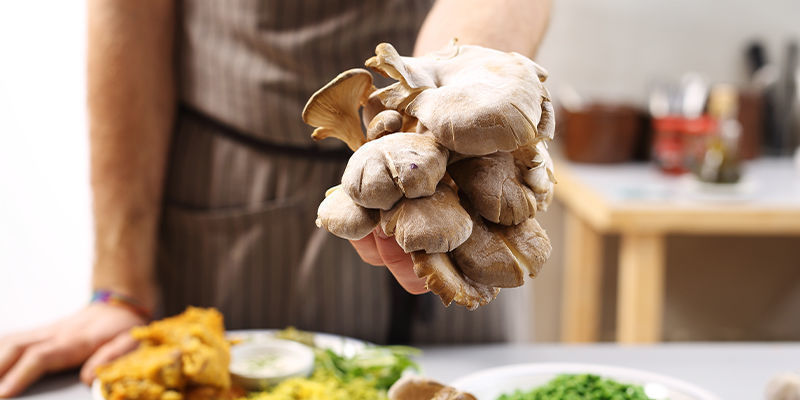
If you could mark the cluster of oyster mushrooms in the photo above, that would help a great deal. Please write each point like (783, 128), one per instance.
(454, 164)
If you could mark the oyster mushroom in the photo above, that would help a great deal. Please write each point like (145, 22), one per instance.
(444, 279)
(474, 100)
(432, 224)
(334, 108)
(402, 164)
(416, 388)
(501, 256)
(494, 186)
(372, 107)
(339, 215)
(540, 177)
(387, 121)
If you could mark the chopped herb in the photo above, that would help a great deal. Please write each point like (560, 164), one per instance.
(580, 387)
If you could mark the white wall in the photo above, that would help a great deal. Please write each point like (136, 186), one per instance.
(615, 48)
(45, 234)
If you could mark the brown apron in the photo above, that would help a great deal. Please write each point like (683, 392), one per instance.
(245, 179)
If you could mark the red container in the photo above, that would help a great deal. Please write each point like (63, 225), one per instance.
(668, 145)
(678, 143)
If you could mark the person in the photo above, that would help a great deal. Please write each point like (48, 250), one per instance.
(205, 181)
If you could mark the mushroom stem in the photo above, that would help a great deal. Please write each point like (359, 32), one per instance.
(445, 280)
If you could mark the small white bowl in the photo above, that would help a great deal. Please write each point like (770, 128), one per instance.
(259, 365)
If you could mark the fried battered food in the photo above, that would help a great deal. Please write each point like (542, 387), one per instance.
(184, 357)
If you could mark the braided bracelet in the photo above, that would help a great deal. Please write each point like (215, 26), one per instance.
(120, 300)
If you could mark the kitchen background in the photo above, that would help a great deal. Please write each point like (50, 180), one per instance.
(717, 288)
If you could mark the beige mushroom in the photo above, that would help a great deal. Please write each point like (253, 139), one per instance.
(402, 164)
(334, 108)
(445, 280)
(493, 185)
(387, 121)
(417, 388)
(414, 388)
(372, 107)
(339, 215)
(451, 393)
(473, 99)
(433, 224)
(501, 256)
(541, 177)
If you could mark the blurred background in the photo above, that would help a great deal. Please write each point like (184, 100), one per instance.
(663, 82)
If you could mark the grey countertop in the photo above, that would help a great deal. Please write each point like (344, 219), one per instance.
(734, 371)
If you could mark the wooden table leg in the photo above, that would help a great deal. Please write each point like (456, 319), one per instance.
(580, 315)
(640, 294)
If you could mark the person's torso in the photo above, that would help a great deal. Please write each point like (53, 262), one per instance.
(252, 64)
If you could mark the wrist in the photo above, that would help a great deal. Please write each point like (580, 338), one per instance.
(115, 299)
(143, 294)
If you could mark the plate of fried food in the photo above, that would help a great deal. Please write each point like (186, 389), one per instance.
(191, 357)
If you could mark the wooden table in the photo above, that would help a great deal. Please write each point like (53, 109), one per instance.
(643, 205)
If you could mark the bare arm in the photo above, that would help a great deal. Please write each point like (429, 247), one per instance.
(508, 25)
(131, 108)
(131, 104)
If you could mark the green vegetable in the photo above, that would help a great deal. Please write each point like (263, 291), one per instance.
(382, 365)
(580, 387)
(365, 376)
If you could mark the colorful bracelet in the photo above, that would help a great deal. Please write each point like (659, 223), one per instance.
(120, 300)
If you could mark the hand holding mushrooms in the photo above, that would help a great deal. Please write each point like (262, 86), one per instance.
(454, 164)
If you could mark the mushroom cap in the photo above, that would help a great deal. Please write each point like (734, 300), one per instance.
(501, 256)
(784, 386)
(417, 388)
(473, 99)
(541, 177)
(495, 188)
(529, 243)
(486, 258)
(444, 279)
(339, 215)
(387, 121)
(451, 393)
(333, 109)
(433, 224)
(414, 388)
(386, 169)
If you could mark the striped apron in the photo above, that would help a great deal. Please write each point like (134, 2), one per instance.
(245, 179)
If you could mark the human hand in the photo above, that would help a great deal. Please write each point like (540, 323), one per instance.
(379, 250)
(96, 334)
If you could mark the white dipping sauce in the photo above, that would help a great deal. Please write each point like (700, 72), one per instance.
(272, 362)
(260, 364)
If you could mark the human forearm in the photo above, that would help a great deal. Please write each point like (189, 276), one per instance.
(508, 25)
(131, 106)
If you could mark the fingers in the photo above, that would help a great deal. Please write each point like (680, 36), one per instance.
(32, 364)
(367, 250)
(116, 348)
(399, 263)
(12, 347)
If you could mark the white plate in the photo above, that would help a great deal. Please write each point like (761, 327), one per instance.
(491, 383)
(341, 345)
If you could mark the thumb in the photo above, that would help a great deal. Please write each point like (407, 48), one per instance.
(120, 345)
(399, 263)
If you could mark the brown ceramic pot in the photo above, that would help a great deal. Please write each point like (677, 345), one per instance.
(601, 133)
